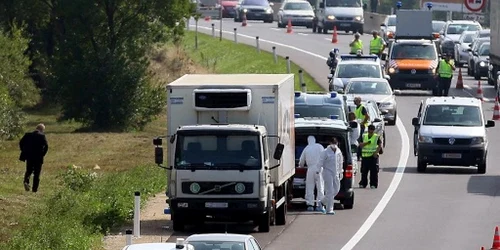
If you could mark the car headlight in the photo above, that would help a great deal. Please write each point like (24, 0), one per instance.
(432, 71)
(393, 70)
(245, 10)
(269, 11)
(358, 18)
(425, 139)
(330, 17)
(477, 140)
(482, 64)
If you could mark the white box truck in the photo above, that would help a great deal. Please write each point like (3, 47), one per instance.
(494, 67)
(231, 148)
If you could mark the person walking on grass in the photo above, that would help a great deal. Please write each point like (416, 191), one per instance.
(33, 148)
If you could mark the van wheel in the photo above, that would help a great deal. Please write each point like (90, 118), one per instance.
(349, 203)
(481, 168)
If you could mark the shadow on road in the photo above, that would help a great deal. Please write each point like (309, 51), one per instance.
(435, 170)
(484, 185)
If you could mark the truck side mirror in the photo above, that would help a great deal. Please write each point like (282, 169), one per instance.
(158, 155)
(278, 151)
(321, 5)
(414, 121)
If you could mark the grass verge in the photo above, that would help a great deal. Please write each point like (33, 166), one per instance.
(75, 206)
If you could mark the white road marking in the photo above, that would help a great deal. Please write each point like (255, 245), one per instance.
(398, 176)
(276, 29)
(328, 39)
(303, 34)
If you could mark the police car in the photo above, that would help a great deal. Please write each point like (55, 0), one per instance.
(354, 66)
(321, 105)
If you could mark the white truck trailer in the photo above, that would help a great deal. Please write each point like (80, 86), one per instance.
(222, 132)
(494, 67)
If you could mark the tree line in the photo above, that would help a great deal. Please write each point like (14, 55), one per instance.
(87, 56)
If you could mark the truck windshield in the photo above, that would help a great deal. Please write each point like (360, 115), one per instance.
(343, 3)
(413, 51)
(453, 115)
(219, 151)
(319, 111)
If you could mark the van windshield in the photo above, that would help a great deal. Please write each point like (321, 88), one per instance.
(453, 115)
(343, 3)
(220, 150)
(413, 51)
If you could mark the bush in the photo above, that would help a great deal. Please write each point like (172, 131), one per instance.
(86, 206)
(12, 118)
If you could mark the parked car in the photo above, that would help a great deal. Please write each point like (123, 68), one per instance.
(228, 8)
(480, 60)
(462, 48)
(254, 10)
(298, 12)
(474, 47)
(223, 241)
(451, 33)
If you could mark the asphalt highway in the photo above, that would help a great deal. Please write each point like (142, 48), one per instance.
(444, 208)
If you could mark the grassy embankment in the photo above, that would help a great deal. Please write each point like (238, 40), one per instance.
(76, 205)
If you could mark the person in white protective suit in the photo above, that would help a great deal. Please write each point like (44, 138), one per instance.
(310, 156)
(331, 162)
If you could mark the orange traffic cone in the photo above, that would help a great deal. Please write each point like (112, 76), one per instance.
(244, 20)
(334, 36)
(207, 18)
(496, 240)
(460, 80)
(496, 110)
(479, 91)
(289, 26)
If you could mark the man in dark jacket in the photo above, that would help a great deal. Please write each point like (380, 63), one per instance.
(33, 147)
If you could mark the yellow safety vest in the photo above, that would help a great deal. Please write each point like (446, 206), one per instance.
(445, 70)
(376, 45)
(358, 112)
(369, 149)
(357, 46)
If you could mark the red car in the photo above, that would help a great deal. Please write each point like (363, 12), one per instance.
(228, 8)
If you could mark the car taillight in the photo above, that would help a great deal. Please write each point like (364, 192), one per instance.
(348, 172)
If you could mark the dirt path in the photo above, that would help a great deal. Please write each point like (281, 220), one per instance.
(155, 226)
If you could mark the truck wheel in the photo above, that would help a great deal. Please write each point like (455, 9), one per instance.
(421, 166)
(265, 222)
(481, 168)
(178, 225)
(349, 203)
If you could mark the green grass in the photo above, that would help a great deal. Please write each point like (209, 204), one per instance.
(227, 57)
(68, 212)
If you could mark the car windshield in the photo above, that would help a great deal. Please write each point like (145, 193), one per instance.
(324, 111)
(478, 44)
(367, 87)
(343, 3)
(216, 245)
(484, 50)
(437, 26)
(413, 51)
(466, 38)
(453, 115)
(358, 70)
(221, 150)
(454, 29)
(298, 6)
(255, 2)
(391, 21)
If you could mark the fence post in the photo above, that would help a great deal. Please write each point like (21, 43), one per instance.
(213, 30)
(257, 45)
(288, 69)
(274, 55)
(235, 36)
(137, 214)
(128, 237)
(301, 80)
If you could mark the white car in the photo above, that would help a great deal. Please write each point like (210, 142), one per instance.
(223, 241)
(388, 27)
(180, 244)
(355, 66)
(298, 12)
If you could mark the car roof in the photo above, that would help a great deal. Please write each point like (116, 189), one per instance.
(368, 62)
(365, 79)
(295, 1)
(219, 237)
(463, 22)
(152, 246)
(415, 41)
(470, 101)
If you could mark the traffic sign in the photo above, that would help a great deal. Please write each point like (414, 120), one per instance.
(475, 5)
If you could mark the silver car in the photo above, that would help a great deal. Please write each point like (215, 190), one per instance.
(388, 27)
(298, 12)
(462, 48)
(378, 90)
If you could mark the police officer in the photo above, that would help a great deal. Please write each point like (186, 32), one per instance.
(371, 147)
(377, 44)
(363, 118)
(356, 45)
(444, 70)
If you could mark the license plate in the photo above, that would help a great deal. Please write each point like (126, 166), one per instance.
(257, 14)
(345, 24)
(452, 156)
(216, 205)
(413, 85)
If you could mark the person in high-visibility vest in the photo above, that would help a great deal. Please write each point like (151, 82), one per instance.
(370, 149)
(445, 70)
(363, 119)
(356, 45)
(377, 44)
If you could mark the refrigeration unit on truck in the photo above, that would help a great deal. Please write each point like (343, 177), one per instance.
(494, 67)
(231, 152)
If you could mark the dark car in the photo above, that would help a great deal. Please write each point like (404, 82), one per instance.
(254, 10)
(228, 8)
(475, 45)
(480, 60)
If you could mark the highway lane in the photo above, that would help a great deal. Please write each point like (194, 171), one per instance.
(423, 208)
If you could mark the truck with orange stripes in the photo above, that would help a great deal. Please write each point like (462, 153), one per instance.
(413, 57)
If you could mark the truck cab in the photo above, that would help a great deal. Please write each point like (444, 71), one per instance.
(345, 15)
